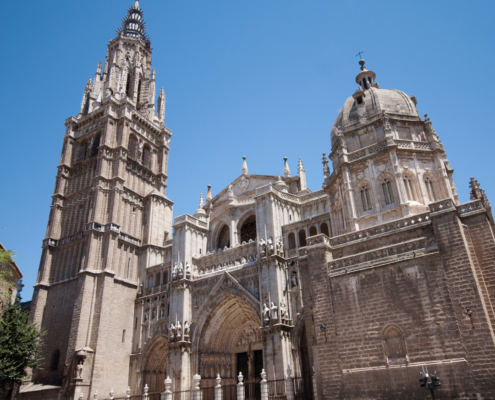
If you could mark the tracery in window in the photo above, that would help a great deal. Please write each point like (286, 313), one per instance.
(365, 199)
(429, 189)
(132, 147)
(248, 229)
(388, 193)
(409, 188)
(147, 156)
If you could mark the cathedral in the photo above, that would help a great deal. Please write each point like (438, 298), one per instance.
(361, 285)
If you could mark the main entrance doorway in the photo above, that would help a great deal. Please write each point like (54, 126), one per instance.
(250, 365)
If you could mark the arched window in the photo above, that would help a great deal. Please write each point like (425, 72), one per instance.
(395, 347)
(81, 151)
(292, 241)
(94, 146)
(429, 189)
(365, 198)
(147, 156)
(224, 238)
(54, 361)
(150, 281)
(387, 191)
(324, 229)
(128, 86)
(248, 229)
(313, 231)
(302, 238)
(409, 188)
(139, 92)
(132, 147)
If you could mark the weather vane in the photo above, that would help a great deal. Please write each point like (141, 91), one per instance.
(359, 54)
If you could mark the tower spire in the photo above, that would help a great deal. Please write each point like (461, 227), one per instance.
(133, 24)
(244, 166)
(286, 168)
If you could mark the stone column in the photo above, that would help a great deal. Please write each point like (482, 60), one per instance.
(218, 388)
(196, 391)
(351, 202)
(241, 392)
(167, 394)
(289, 385)
(263, 385)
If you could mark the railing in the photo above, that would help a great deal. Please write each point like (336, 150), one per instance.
(470, 206)
(226, 258)
(410, 144)
(156, 289)
(277, 390)
(187, 218)
(379, 229)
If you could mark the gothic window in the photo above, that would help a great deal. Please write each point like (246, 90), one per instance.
(128, 267)
(55, 360)
(81, 151)
(150, 282)
(123, 336)
(324, 229)
(224, 238)
(139, 92)
(395, 347)
(365, 198)
(388, 192)
(95, 145)
(302, 238)
(248, 230)
(313, 231)
(147, 156)
(409, 188)
(86, 104)
(128, 86)
(292, 241)
(429, 189)
(132, 147)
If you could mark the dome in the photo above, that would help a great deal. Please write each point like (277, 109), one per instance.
(369, 102)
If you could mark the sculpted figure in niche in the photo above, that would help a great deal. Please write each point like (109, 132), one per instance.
(231, 191)
(139, 150)
(79, 369)
(179, 331)
(266, 312)
(146, 315)
(162, 311)
(174, 272)
(180, 272)
(284, 311)
(294, 279)
(154, 313)
(262, 247)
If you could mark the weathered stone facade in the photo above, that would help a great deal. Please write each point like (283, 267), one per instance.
(359, 285)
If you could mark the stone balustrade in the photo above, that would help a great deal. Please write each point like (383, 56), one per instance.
(188, 218)
(229, 257)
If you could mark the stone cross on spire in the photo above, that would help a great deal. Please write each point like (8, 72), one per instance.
(302, 175)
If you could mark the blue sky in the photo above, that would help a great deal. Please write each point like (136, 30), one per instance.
(262, 79)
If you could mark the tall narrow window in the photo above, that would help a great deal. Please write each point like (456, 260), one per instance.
(128, 267)
(55, 360)
(128, 86)
(388, 194)
(139, 92)
(409, 188)
(123, 336)
(365, 198)
(324, 229)
(132, 147)
(94, 145)
(429, 189)
(302, 238)
(292, 241)
(147, 157)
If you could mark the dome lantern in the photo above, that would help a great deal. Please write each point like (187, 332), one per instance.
(366, 79)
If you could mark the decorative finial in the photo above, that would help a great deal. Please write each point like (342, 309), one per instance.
(201, 201)
(133, 24)
(98, 68)
(208, 193)
(286, 168)
(136, 4)
(244, 166)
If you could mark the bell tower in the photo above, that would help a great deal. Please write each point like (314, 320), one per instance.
(108, 218)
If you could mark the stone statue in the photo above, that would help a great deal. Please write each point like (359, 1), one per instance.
(174, 272)
(266, 312)
(262, 248)
(274, 310)
(173, 332)
(294, 279)
(270, 246)
(186, 330)
(179, 331)
(139, 149)
(284, 311)
(231, 191)
(162, 311)
(79, 369)
(146, 315)
(188, 270)
(180, 272)
(280, 248)
(195, 272)
(153, 316)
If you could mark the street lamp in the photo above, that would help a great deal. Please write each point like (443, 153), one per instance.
(431, 386)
